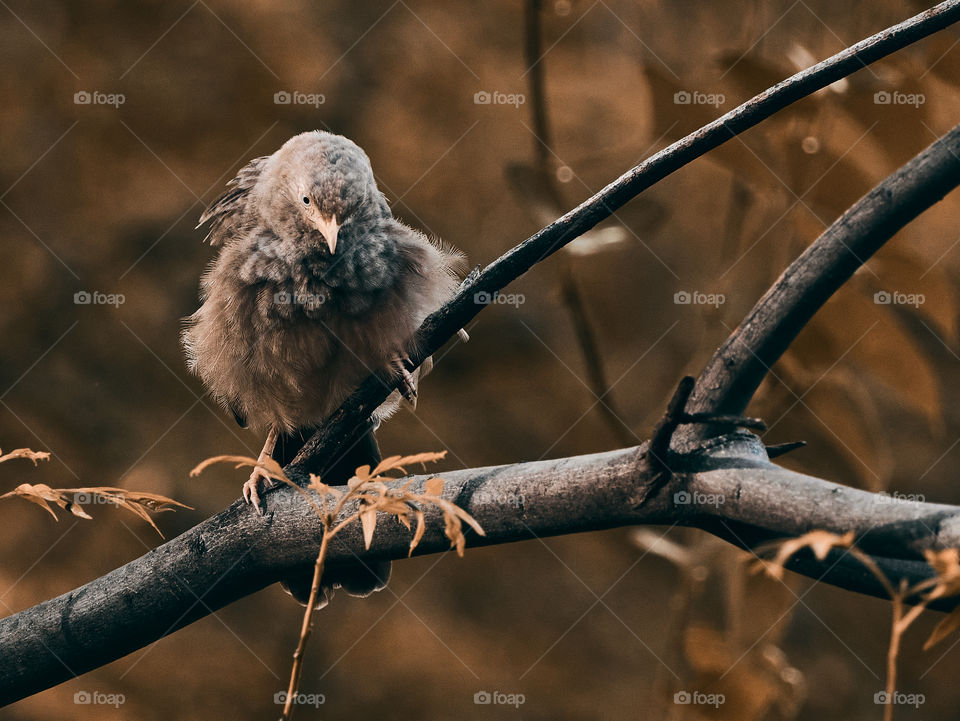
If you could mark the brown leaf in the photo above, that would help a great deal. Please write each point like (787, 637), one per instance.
(471, 521)
(368, 519)
(433, 487)
(137, 502)
(272, 468)
(946, 626)
(946, 564)
(25, 453)
(398, 463)
(418, 534)
(819, 542)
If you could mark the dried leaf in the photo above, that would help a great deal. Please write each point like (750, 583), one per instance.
(25, 453)
(943, 629)
(387, 464)
(819, 542)
(471, 521)
(39, 494)
(418, 534)
(368, 519)
(946, 564)
(399, 463)
(272, 468)
(137, 502)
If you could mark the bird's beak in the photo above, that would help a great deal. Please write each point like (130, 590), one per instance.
(329, 228)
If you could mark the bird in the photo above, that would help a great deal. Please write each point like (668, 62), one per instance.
(315, 286)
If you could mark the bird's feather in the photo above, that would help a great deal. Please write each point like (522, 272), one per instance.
(228, 214)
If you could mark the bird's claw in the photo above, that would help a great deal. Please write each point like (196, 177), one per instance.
(408, 384)
(251, 489)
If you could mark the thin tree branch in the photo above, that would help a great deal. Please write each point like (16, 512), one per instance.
(442, 325)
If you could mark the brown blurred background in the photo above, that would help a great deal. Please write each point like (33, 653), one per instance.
(102, 198)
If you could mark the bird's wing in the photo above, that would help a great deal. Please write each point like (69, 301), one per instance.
(227, 212)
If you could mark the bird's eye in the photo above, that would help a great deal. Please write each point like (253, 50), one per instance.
(306, 200)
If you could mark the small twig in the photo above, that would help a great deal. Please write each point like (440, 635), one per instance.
(675, 416)
(663, 432)
(306, 628)
(723, 419)
(781, 449)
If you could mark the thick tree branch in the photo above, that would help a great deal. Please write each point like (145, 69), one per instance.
(734, 373)
(238, 551)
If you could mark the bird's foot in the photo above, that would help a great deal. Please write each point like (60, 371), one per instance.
(408, 384)
(251, 489)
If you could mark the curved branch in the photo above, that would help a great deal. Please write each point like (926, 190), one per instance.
(237, 551)
(443, 324)
(734, 373)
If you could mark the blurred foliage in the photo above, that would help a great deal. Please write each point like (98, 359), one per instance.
(103, 199)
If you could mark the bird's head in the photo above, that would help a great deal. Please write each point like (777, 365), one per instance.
(315, 184)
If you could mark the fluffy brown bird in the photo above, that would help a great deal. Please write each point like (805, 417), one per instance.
(316, 286)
